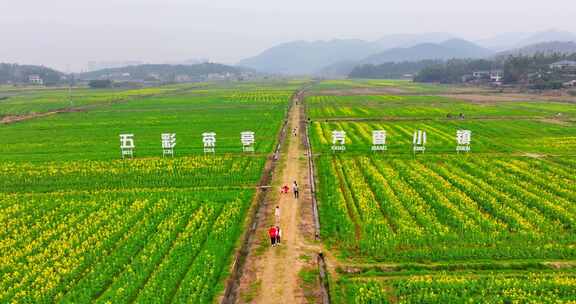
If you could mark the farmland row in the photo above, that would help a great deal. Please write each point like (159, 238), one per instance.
(226, 171)
(432, 107)
(20, 102)
(93, 134)
(80, 225)
(447, 209)
(487, 136)
(495, 225)
(446, 288)
(396, 85)
(258, 96)
(118, 247)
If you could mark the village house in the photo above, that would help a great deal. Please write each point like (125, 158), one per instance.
(35, 79)
(563, 65)
(481, 74)
(493, 77)
(496, 76)
(183, 78)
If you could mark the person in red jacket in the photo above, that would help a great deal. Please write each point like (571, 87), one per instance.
(272, 233)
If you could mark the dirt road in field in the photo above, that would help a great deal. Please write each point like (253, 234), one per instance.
(272, 274)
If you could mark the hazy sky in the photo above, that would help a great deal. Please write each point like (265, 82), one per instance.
(70, 33)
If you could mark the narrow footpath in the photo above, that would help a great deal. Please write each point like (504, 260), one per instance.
(272, 274)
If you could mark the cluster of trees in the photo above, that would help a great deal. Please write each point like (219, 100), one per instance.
(535, 69)
(161, 72)
(452, 71)
(19, 74)
(126, 76)
(391, 70)
(100, 84)
(532, 71)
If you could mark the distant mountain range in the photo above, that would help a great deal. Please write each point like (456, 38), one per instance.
(547, 36)
(508, 41)
(409, 40)
(564, 47)
(302, 57)
(192, 61)
(336, 57)
(503, 41)
(454, 48)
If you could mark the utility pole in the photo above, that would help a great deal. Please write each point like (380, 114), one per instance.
(70, 81)
(70, 94)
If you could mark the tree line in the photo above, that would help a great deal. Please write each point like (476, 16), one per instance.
(531, 70)
(163, 72)
(19, 74)
(392, 70)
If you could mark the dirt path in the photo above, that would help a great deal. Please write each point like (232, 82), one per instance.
(8, 119)
(281, 264)
(272, 274)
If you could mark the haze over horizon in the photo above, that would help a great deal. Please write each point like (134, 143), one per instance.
(67, 34)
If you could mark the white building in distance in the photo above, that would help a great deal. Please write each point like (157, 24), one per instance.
(35, 79)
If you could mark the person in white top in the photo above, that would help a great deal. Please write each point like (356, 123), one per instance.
(277, 214)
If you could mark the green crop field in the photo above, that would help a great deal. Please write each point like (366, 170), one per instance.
(16, 101)
(94, 134)
(444, 288)
(490, 136)
(449, 208)
(82, 225)
(401, 85)
(430, 107)
(496, 225)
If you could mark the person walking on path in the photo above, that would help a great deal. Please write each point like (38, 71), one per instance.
(277, 214)
(278, 235)
(272, 233)
(295, 189)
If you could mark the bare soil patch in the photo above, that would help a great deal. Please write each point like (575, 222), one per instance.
(534, 155)
(561, 265)
(8, 119)
(556, 121)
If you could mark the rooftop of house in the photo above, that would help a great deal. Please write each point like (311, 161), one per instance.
(565, 62)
